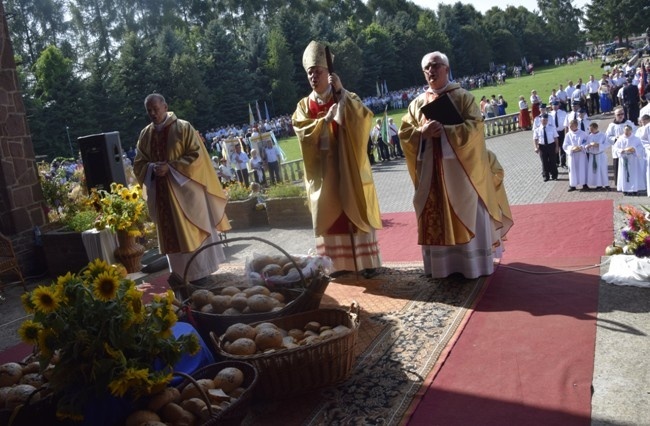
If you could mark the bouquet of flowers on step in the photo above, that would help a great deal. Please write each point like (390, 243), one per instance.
(95, 338)
(121, 209)
(636, 232)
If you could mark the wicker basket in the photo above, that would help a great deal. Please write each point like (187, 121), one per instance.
(306, 296)
(34, 411)
(288, 372)
(235, 413)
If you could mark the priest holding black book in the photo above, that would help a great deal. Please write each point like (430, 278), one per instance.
(460, 220)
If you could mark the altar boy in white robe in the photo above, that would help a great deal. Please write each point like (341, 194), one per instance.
(575, 147)
(630, 152)
(643, 133)
(597, 145)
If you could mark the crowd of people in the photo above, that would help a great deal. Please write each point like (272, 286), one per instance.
(565, 137)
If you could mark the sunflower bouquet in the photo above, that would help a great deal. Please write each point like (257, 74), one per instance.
(121, 209)
(96, 338)
(636, 232)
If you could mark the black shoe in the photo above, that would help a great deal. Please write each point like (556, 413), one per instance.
(584, 189)
(554, 178)
(369, 272)
(571, 189)
(546, 179)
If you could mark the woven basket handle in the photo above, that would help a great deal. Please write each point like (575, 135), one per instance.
(204, 396)
(233, 240)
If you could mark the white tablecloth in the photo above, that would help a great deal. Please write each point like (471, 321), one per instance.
(100, 244)
(628, 270)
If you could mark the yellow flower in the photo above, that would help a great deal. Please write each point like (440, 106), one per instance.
(114, 353)
(95, 268)
(46, 343)
(29, 330)
(26, 299)
(45, 299)
(100, 337)
(106, 286)
(159, 382)
(130, 378)
(65, 279)
(193, 345)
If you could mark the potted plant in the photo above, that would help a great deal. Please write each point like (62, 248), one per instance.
(241, 208)
(99, 345)
(286, 206)
(68, 214)
(124, 211)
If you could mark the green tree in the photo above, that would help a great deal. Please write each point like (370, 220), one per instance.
(505, 48)
(228, 81)
(130, 84)
(379, 58)
(34, 25)
(606, 20)
(563, 23)
(61, 105)
(348, 63)
(281, 72)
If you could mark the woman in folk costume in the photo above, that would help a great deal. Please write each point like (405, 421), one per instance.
(597, 145)
(630, 151)
(460, 221)
(333, 127)
(574, 145)
(524, 114)
(535, 102)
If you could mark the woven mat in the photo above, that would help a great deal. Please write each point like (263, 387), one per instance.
(407, 322)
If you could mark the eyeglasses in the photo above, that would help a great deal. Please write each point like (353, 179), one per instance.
(432, 65)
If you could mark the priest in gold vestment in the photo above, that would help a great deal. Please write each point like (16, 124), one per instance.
(184, 195)
(461, 217)
(333, 126)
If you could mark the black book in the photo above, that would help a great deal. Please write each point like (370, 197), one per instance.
(442, 109)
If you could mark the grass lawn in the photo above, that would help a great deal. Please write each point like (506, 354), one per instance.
(544, 80)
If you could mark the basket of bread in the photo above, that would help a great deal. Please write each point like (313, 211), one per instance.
(295, 353)
(217, 394)
(274, 286)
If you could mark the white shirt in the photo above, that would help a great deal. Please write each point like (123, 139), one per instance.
(272, 154)
(561, 119)
(551, 134)
(592, 86)
(239, 160)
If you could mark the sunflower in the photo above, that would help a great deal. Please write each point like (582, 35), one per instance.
(105, 286)
(95, 268)
(159, 381)
(193, 345)
(130, 378)
(45, 299)
(29, 330)
(28, 305)
(47, 340)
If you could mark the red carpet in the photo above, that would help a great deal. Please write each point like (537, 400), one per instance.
(526, 354)
(398, 239)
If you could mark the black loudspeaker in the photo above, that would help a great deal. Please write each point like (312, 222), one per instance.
(102, 159)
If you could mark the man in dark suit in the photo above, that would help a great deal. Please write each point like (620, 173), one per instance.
(631, 101)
